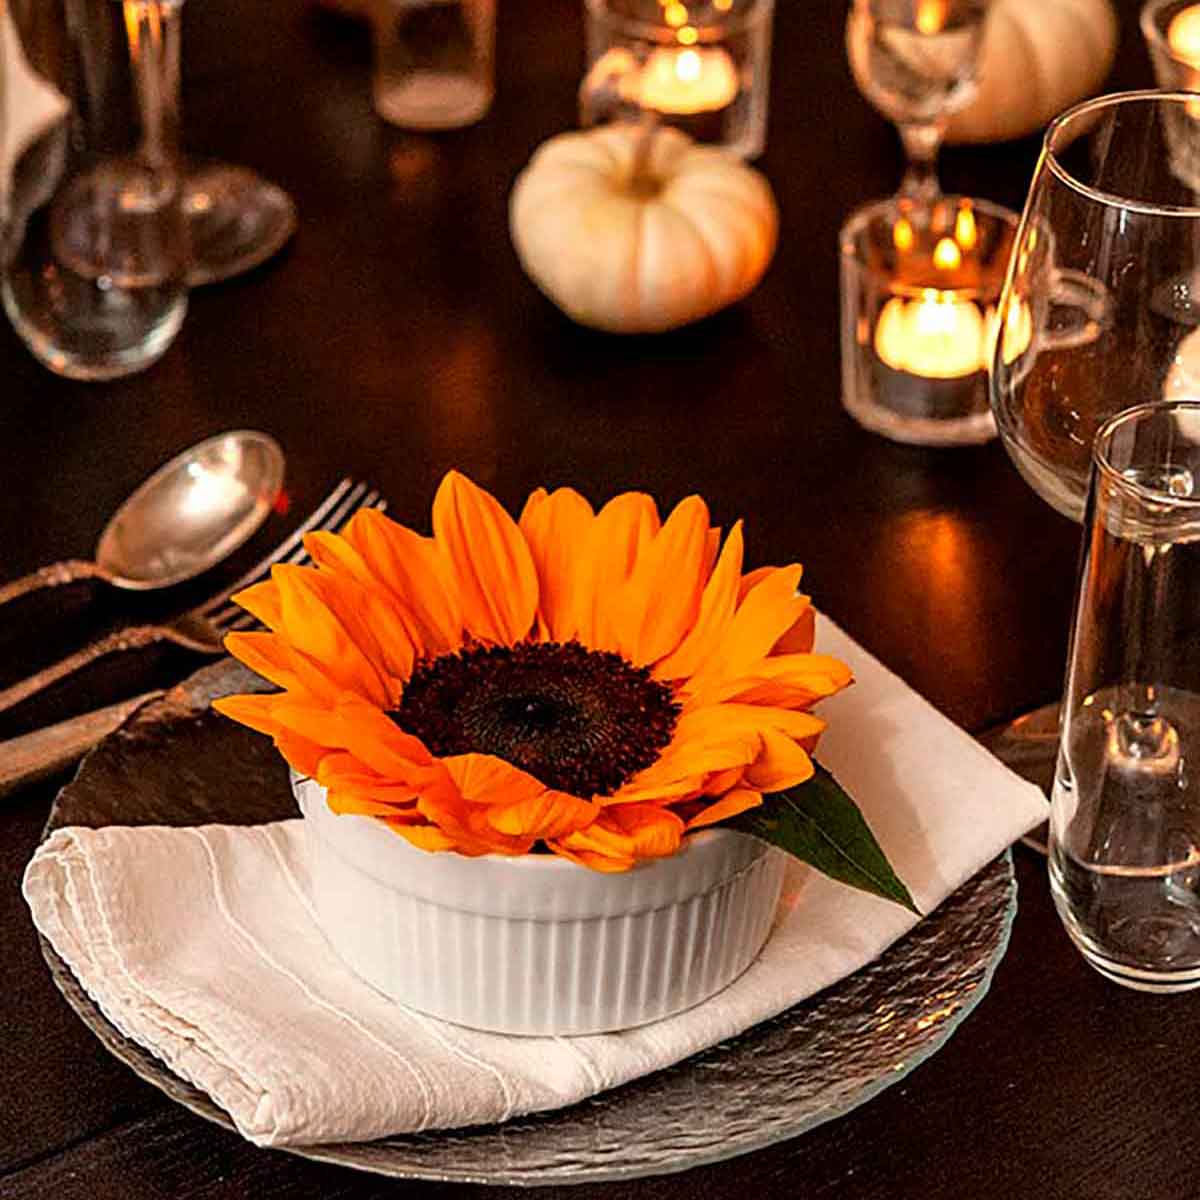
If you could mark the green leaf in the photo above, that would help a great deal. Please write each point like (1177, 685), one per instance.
(820, 824)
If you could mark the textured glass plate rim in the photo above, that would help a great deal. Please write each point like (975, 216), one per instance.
(401, 1157)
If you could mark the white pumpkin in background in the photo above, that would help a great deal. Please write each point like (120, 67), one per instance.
(636, 231)
(1038, 57)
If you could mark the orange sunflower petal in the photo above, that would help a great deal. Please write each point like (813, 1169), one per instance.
(332, 552)
(600, 848)
(621, 531)
(729, 805)
(549, 814)
(660, 601)
(415, 574)
(378, 742)
(716, 611)
(298, 752)
(656, 831)
(787, 681)
(258, 712)
(556, 526)
(782, 764)
(492, 564)
(766, 612)
(266, 654)
(424, 837)
(262, 601)
(314, 629)
(800, 637)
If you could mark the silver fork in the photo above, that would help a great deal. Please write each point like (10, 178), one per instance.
(204, 627)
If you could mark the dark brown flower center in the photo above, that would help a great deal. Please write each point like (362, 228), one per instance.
(581, 721)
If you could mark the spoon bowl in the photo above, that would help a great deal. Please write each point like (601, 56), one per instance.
(192, 512)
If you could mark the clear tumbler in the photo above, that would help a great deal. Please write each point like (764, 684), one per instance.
(434, 61)
(1125, 809)
(92, 236)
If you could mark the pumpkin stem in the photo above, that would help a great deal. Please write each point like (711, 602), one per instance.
(640, 178)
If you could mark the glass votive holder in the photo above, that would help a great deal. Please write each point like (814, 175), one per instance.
(919, 292)
(701, 66)
(434, 61)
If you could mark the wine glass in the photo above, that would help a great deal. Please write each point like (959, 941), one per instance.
(1104, 282)
(236, 220)
(915, 61)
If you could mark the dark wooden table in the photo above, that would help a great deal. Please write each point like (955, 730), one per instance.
(397, 338)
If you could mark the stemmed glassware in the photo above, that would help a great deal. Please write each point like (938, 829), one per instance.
(1105, 276)
(95, 209)
(915, 61)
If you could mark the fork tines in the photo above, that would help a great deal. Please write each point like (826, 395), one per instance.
(332, 513)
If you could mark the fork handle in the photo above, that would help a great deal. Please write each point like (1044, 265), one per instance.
(133, 638)
(34, 756)
(55, 575)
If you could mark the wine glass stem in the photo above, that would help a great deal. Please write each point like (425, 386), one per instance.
(922, 140)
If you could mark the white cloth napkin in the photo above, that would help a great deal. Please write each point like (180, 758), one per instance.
(200, 945)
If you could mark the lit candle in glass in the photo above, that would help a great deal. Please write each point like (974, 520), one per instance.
(1183, 35)
(688, 80)
(699, 67)
(939, 336)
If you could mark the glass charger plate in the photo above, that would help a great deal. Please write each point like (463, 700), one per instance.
(171, 764)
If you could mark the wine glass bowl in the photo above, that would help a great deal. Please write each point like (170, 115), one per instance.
(915, 61)
(1106, 265)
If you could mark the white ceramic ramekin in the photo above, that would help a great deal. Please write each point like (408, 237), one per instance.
(538, 945)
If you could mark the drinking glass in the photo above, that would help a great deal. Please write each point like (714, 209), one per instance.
(915, 61)
(1103, 274)
(702, 66)
(1125, 809)
(94, 248)
(434, 61)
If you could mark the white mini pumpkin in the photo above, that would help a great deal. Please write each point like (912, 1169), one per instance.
(1038, 57)
(637, 236)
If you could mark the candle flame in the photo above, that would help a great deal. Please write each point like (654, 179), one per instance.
(965, 232)
(722, 5)
(931, 16)
(687, 65)
(688, 36)
(902, 235)
(675, 14)
(946, 255)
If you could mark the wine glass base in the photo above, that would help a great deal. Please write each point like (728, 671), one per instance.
(1028, 745)
(236, 221)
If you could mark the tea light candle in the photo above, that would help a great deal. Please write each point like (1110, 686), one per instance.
(687, 81)
(939, 336)
(1183, 35)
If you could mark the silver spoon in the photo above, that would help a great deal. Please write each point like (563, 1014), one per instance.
(190, 514)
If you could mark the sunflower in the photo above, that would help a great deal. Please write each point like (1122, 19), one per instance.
(595, 683)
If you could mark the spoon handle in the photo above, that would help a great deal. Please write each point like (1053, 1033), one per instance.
(55, 575)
